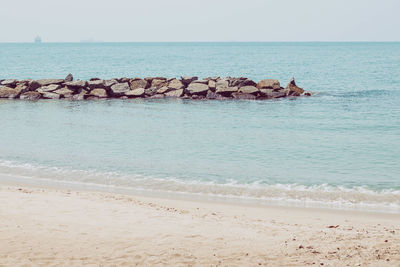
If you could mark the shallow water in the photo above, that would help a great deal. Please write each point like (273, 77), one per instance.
(339, 148)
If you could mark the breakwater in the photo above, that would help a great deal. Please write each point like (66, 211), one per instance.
(151, 87)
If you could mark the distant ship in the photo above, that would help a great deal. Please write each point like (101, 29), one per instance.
(38, 40)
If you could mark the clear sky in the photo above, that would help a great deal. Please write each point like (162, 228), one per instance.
(199, 20)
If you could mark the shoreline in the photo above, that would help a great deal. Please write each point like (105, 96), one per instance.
(234, 200)
(43, 225)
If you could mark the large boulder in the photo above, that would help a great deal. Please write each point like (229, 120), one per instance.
(271, 93)
(76, 84)
(158, 82)
(33, 85)
(293, 89)
(212, 85)
(164, 90)
(31, 95)
(49, 88)
(150, 91)
(244, 96)
(236, 81)
(221, 83)
(188, 79)
(96, 84)
(175, 84)
(45, 82)
(247, 82)
(212, 95)
(69, 78)
(226, 91)
(197, 88)
(175, 93)
(50, 95)
(11, 83)
(139, 92)
(22, 88)
(8, 92)
(119, 89)
(98, 92)
(80, 96)
(201, 81)
(109, 83)
(137, 83)
(64, 92)
(269, 84)
(248, 90)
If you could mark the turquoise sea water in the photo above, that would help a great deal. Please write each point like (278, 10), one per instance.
(339, 148)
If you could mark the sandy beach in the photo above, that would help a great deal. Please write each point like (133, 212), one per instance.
(60, 227)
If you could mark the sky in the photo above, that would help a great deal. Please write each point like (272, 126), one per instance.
(199, 20)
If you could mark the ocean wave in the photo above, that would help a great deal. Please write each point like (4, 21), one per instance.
(318, 195)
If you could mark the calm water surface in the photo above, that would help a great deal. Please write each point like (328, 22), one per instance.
(340, 148)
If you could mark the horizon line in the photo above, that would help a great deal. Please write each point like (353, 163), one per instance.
(89, 42)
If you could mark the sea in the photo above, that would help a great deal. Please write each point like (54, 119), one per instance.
(338, 149)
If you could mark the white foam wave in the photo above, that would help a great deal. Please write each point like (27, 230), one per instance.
(322, 195)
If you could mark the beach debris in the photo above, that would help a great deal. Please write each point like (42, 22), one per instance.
(187, 87)
(333, 226)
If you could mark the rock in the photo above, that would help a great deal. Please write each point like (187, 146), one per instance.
(109, 83)
(150, 91)
(188, 79)
(50, 95)
(212, 84)
(236, 81)
(164, 89)
(123, 80)
(80, 96)
(49, 88)
(201, 81)
(138, 83)
(248, 90)
(33, 85)
(308, 93)
(213, 95)
(31, 95)
(77, 84)
(197, 88)
(64, 92)
(175, 93)
(120, 89)
(150, 79)
(293, 89)
(69, 78)
(226, 91)
(244, 96)
(9, 83)
(157, 96)
(94, 79)
(135, 93)
(158, 83)
(247, 82)
(269, 84)
(98, 92)
(45, 82)
(271, 93)
(96, 84)
(22, 88)
(175, 84)
(8, 92)
(221, 83)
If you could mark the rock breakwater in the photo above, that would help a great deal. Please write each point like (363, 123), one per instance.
(151, 87)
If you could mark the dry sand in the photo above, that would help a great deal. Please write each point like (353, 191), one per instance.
(60, 227)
